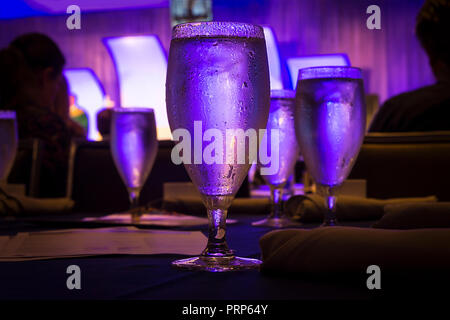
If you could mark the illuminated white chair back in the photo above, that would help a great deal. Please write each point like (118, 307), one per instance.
(141, 66)
(296, 63)
(89, 95)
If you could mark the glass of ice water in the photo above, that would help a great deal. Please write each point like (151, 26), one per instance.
(281, 122)
(330, 121)
(217, 80)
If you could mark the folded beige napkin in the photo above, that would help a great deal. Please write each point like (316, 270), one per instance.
(349, 249)
(311, 208)
(415, 215)
(22, 205)
(239, 206)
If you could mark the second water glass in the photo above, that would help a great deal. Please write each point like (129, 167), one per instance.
(281, 119)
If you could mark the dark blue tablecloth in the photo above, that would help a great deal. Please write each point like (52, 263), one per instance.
(152, 277)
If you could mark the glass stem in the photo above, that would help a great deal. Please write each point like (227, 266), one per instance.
(217, 245)
(276, 199)
(134, 197)
(134, 194)
(330, 202)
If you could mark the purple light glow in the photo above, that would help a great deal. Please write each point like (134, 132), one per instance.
(296, 63)
(89, 94)
(141, 66)
(60, 6)
(273, 58)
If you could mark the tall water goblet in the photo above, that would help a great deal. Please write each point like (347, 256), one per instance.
(330, 122)
(281, 120)
(217, 91)
(134, 146)
(8, 143)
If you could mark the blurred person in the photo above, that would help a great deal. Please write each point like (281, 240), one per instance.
(427, 108)
(30, 82)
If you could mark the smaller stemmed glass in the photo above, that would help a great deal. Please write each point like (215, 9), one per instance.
(134, 146)
(280, 122)
(8, 143)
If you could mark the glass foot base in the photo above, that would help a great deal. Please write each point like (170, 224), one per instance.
(217, 264)
(276, 223)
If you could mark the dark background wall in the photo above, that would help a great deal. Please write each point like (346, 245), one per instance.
(391, 57)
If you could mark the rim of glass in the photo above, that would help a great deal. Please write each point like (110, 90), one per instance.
(7, 114)
(211, 29)
(134, 110)
(282, 94)
(329, 72)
